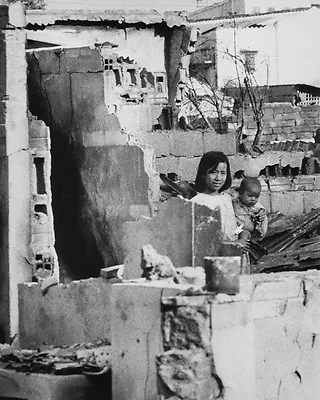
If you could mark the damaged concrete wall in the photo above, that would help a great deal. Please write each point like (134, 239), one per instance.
(79, 312)
(184, 231)
(15, 167)
(98, 181)
(43, 257)
(258, 345)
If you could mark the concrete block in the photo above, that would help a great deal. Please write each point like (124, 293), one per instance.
(48, 61)
(162, 143)
(165, 165)
(75, 313)
(311, 200)
(277, 288)
(136, 308)
(268, 308)
(81, 59)
(280, 184)
(187, 143)
(278, 117)
(293, 159)
(290, 203)
(188, 168)
(303, 182)
(219, 142)
(233, 349)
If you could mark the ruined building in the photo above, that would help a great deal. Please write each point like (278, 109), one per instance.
(89, 116)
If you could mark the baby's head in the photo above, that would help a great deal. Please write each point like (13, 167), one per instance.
(249, 191)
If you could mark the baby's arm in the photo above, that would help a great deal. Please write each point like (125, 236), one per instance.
(261, 222)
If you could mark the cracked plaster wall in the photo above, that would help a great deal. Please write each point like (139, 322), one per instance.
(15, 167)
(262, 344)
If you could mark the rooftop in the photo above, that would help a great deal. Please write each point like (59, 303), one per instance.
(243, 21)
(147, 17)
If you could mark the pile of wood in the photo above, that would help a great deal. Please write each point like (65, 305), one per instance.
(88, 359)
(291, 244)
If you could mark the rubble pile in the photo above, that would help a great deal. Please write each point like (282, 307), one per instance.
(88, 359)
(291, 244)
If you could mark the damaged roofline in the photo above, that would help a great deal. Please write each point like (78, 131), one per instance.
(38, 18)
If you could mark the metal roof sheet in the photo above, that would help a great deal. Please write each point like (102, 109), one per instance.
(147, 17)
(245, 21)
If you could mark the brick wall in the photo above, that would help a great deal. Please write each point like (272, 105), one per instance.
(282, 121)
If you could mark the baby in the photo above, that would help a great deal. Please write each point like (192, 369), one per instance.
(250, 214)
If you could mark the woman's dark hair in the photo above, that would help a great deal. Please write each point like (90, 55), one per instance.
(209, 162)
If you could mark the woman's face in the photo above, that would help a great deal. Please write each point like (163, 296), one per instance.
(215, 179)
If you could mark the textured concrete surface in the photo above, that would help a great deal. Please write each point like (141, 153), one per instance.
(67, 314)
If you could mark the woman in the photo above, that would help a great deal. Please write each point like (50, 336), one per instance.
(212, 181)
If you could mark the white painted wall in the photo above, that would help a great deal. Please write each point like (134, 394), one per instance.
(288, 52)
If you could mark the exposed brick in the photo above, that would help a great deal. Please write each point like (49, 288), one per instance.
(290, 203)
(271, 124)
(278, 117)
(217, 142)
(187, 143)
(286, 123)
(288, 117)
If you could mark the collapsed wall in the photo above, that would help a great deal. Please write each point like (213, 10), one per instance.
(98, 181)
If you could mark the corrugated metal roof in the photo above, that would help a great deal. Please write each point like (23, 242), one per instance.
(246, 21)
(147, 17)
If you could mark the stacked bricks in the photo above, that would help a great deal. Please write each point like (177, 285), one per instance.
(180, 151)
(282, 121)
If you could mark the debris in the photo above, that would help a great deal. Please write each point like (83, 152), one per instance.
(114, 273)
(156, 266)
(292, 244)
(86, 358)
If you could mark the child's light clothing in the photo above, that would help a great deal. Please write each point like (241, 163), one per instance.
(222, 201)
(247, 216)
